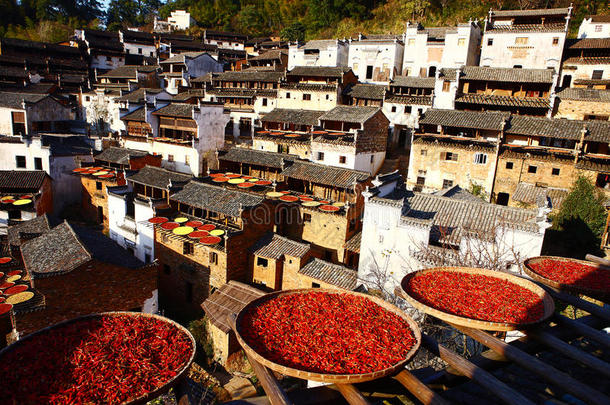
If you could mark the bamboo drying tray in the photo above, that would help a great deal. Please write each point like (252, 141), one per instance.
(149, 395)
(603, 295)
(549, 305)
(328, 378)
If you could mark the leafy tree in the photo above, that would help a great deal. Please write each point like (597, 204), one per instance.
(294, 32)
(582, 218)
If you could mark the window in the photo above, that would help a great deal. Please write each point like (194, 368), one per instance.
(37, 163)
(108, 58)
(521, 40)
(20, 162)
(452, 156)
(306, 217)
(411, 41)
(264, 102)
(408, 109)
(555, 171)
(424, 152)
(170, 158)
(355, 68)
(480, 158)
(532, 169)
(372, 158)
(598, 28)
(87, 98)
(490, 41)
(556, 41)
(187, 248)
(393, 108)
(18, 122)
(288, 95)
(597, 74)
(14, 214)
(342, 159)
(461, 41)
(140, 51)
(369, 72)
(328, 96)
(213, 258)
(421, 181)
(446, 85)
(186, 159)
(262, 262)
(447, 183)
(188, 293)
(167, 269)
(315, 285)
(98, 185)
(509, 165)
(320, 155)
(306, 97)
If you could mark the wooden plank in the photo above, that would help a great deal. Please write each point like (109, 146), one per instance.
(351, 394)
(419, 389)
(599, 337)
(570, 351)
(587, 306)
(549, 373)
(477, 374)
(597, 259)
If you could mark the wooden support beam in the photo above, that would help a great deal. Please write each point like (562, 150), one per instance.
(476, 374)
(419, 389)
(549, 373)
(587, 306)
(601, 338)
(351, 394)
(570, 351)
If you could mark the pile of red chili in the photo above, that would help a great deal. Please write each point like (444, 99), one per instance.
(573, 273)
(105, 360)
(330, 333)
(475, 296)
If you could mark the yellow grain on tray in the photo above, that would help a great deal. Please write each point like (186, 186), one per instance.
(20, 297)
(14, 278)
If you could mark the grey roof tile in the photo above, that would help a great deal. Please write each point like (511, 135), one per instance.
(22, 180)
(413, 81)
(465, 119)
(299, 117)
(274, 246)
(158, 177)
(366, 91)
(335, 274)
(229, 299)
(350, 114)
(216, 199)
(318, 71)
(119, 155)
(257, 157)
(322, 174)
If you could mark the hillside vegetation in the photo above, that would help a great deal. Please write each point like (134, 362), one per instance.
(54, 20)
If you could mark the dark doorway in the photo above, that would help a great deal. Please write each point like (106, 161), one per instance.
(100, 215)
(502, 199)
(432, 71)
(567, 81)
(369, 72)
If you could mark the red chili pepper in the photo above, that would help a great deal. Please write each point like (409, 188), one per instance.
(573, 273)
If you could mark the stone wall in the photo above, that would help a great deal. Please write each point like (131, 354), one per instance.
(580, 109)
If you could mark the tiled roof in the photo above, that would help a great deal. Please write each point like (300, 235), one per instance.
(182, 56)
(216, 199)
(366, 91)
(274, 246)
(129, 71)
(271, 55)
(592, 82)
(55, 252)
(587, 60)
(330, 273)
(322, 174)
(413, 81)
(190, 93)
(588, 43)
(256, 157)
(319, 44)
(503, 101)
(310, 86)
(137, 96)
(249, 76)
(591, 163)
(227, 300)
(158, 177)
(530, 13)
(573, 93)
(176, 110)
(530, 194)
(21, 180)
(598, 131)
(38, 225)
(353, 244)
(241, 92)
(299, 117)
(135, 115)
(104, 249)
(458, 193)
(15, 100)
(416, 100)
(457, 217)
(119, 155)
(513, 75)
(599, 18)
(318, 71)
(465, 119)
(347, 113)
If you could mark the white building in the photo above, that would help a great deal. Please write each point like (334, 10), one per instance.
(404, 231)
(531, 39)
(595, 26)
(56, 154)
(327, 52)
(180, 68)
(138, 43)
(225, 40)
(376, 59)
(429, 49)
(105, 50)
(185, 135)
(179, 20)
(26, 114)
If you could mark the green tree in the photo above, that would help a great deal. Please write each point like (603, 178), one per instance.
(294, 32)
(582, 218)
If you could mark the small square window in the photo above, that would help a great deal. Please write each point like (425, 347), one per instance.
(264, 102)
(532, 169)
(446, 85)
(555, 171)
(372, 158)
(461, 41)
(98, 185)
(20, 162)
(306, 97)
(521, 40)
(556, 41)
(480, 158)
(447, 183)
(393, 108)
(170, 158)
(452, 156)
(408, 109)
(342, 159)
(37, 163)
(490, 41)
(320, 155)
(213, 258)
(597, 74)
(306, 217)
(287, 95)
(328, 96)
(140, 51)
(315, 285)
(187, 248)
(509, 165)
(598, 28)
(262, 262)
(424, 152)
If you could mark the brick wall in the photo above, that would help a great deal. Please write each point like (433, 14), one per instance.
(44, 204)
(136, 163)
(578, 110)
(291, 277)
(92, 197)
(374, 138)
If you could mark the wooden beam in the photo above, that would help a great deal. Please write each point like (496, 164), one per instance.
(587, 306)
(549, 373)
(351, 394)
(476, 374)
(419, 389)
(601, 338)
